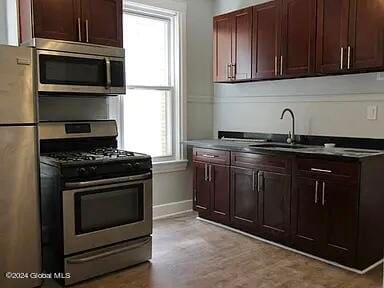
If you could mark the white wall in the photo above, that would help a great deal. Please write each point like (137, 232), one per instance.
(334, 106)
(3, 22)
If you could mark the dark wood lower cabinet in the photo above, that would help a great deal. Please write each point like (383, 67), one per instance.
(211, 191)
(243, 199)
(341, 220)
(307, 217)
(327, 208)
(201, 187)
(219, 193)
(274, 191)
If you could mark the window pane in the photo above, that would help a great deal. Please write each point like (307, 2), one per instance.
(147, 122)
(147, 50)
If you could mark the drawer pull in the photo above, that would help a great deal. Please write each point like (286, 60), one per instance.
(321, 170)
(209, 156)
(316, 192)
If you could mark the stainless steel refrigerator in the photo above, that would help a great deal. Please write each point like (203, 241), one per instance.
(20, 248)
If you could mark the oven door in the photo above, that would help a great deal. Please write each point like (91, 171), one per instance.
(60, 72)
(106, 212)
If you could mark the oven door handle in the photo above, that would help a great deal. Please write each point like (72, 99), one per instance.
(72, 185)
(108, 71)
(109, 253)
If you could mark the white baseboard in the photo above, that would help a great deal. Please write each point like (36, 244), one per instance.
(294, 250)
(171, 209)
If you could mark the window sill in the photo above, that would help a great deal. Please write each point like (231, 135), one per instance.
(169, 166)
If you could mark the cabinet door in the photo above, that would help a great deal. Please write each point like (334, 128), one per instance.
(201, 189)
(332, 35)
(103, 22)
(274, 205)
(243, 199)
(266, 40)
(366, 34)
(307, 215)
(298, 37)
(219, 177)
(340, 200)
(59, 20)
(242, 43)
(222, 48)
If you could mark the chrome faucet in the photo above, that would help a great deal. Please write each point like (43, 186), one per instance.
(291, 135)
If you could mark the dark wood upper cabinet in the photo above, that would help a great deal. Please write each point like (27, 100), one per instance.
(366, 35)
(350, 35)
(266, 40)
(332, 35)
(298, 38)
(222, 48)
(242, 44)
(56, 19)
(103, 22)
(233, 46)
(86, 21)
(274, 191)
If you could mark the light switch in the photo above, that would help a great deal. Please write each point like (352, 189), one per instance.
(372, 112)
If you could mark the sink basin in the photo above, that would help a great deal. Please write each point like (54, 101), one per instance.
(275, 145)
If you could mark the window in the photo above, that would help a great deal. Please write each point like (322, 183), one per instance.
(150, 120)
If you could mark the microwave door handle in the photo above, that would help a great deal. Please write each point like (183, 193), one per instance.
(108, 70)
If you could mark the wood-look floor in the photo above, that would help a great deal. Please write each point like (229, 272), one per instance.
(190, 253)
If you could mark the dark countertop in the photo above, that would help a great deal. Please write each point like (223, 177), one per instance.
(346, 154)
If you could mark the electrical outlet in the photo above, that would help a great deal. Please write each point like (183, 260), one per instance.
(372, 112)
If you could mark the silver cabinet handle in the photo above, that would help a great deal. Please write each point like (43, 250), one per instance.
(276, 65)
(323, 198)
(233, 71)
(108, 71)
(321, 170)
(349, 57)
(210, 173)
(79, 29)
(87, 30)
(342, 58)
(253, 181)
(229, 71)
(317, 192)
(205, 172)
(281, 65)
(260, 181)
(209, 156)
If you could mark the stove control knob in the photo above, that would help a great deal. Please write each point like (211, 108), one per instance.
(93, 169)
(128, 166)
(82, 171)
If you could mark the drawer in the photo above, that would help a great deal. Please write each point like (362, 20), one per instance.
(211, 156)
(106, 260)
(327, 168)
(251, 160)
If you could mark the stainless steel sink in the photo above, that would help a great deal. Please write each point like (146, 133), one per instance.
(277, 145)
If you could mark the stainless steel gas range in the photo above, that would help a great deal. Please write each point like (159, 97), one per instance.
(96, 200)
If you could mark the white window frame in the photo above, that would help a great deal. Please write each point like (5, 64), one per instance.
(177, 86)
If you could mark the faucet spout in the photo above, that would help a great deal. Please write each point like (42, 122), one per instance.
(291, 138)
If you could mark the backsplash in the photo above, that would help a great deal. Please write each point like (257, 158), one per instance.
(58, 108)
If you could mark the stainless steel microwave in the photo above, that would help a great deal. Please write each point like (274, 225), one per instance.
(73, 68)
